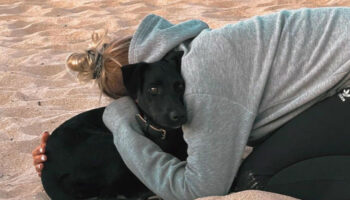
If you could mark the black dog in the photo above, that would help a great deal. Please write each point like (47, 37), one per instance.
(83, 161)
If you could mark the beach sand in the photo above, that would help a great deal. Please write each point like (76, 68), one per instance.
(36, 91)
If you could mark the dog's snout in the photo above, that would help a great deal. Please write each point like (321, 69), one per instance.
(176, 116)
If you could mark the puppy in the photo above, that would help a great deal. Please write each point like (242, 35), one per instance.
(83, 161)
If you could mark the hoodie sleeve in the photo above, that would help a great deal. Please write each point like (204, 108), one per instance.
(214, 149)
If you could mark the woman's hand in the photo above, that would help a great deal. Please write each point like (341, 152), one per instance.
(38, 153)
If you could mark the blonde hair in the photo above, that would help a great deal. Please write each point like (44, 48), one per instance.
(103, 62)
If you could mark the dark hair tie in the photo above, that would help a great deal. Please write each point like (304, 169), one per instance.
(98, 62)
(98, 66)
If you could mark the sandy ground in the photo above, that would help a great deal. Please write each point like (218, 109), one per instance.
(37, 93)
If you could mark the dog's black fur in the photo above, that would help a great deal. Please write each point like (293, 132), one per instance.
(158, 89)
(83, 161)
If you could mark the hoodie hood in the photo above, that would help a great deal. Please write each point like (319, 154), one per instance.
(155, 37)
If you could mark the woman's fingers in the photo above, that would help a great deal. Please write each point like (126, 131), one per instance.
(36, 151)
(44, 137)
(39, 167)
(39, 153)
(39, 150)
(39, 159)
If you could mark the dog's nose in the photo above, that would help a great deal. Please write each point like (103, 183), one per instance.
(175, 116)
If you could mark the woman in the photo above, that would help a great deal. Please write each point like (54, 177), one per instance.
(243, 81)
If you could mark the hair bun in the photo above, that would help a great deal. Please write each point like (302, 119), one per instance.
(83, 63)
(78, 61)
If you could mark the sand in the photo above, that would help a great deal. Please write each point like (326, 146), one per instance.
(36, 91)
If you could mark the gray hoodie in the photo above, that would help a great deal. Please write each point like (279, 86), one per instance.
(243, 81)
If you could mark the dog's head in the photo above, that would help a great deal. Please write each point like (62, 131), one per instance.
(158, 89)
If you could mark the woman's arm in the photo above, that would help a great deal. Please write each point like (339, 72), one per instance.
(215, 147)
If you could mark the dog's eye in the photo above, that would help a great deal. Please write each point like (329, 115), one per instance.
(153, 91)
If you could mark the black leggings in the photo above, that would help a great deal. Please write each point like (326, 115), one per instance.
(307, 158)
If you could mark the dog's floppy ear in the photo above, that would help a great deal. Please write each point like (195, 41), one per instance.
(174, 56)
(133, 77)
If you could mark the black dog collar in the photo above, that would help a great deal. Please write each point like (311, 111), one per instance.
(150, 129)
